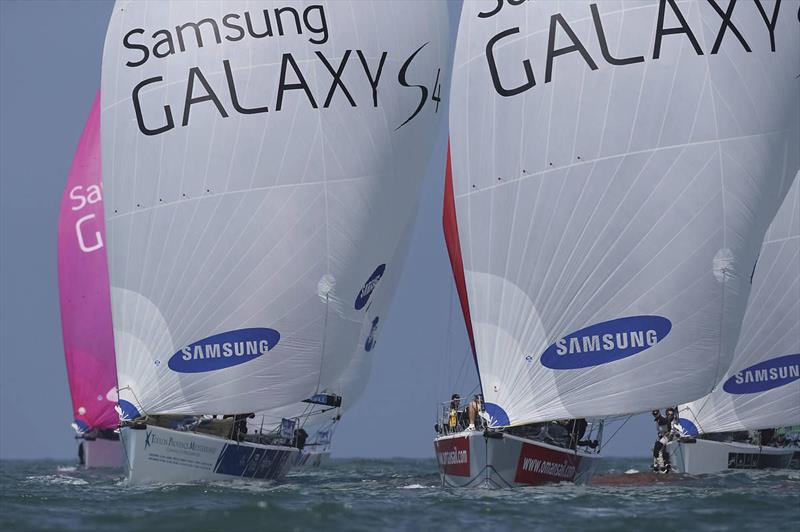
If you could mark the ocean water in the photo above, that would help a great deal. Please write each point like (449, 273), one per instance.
(395, 495)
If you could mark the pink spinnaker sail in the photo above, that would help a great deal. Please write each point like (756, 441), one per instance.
(83, 286)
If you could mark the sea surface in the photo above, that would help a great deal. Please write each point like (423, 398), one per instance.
(395, 495)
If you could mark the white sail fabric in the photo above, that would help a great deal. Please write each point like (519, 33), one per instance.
(351, 383)
(261, 161)
(762, 387)
(615, 168)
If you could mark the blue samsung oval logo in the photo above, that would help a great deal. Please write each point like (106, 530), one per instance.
(606, 342)
(369, 286)
(765, 375)
(224, 350)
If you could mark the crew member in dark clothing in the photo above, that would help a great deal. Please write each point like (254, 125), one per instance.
(577, 429)
(766, 436)
(661, 463)
(300, 437)
(240, 425)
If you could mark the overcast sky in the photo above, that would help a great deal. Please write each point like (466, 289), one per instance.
(50, 55)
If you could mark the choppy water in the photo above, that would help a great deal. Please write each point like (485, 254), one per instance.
(398, 495)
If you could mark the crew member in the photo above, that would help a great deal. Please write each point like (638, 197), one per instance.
(475, 406)
(661, 463)
(300, 437)
(455, 402)
(577, 429)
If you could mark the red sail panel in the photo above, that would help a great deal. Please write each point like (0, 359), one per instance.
(450, 224)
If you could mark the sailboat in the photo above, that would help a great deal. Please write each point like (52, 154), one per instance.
(262, 161)
(85, 305)
(613, 176)
(734, 427)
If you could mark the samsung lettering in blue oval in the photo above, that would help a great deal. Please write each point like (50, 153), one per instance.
(765, 375)
(369, 286)
(224, 350)
(606, 342)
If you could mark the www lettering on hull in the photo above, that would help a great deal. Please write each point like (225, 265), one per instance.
(453, 456)
(537, 465)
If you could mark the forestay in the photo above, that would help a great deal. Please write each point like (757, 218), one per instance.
(262, 162)
(83, 286)
(762, 387)
(615, 168)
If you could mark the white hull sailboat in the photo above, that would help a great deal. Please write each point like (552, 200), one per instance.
(612, 180)
(700, 456)
(160, 455)
(761, 390)
(258, 186)
(497, 460)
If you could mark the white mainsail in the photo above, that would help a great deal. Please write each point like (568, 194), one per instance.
(762, 387)
(615, 166)
(262, 161)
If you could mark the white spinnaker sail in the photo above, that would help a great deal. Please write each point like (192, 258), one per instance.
(352, 382)
(762, 387)
(615, 167)
(261, 162)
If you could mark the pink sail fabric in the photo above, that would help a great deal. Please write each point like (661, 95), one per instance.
(83, 286)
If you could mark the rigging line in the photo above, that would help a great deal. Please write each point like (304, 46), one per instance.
(615, 432)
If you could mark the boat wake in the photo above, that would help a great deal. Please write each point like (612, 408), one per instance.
(62, 480)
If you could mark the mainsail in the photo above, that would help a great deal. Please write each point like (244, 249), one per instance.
(615, 166)
(762, 387)
(262, 162)
(83, 286)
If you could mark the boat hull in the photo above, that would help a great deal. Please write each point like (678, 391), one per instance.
(312, 458)
(473, 459)
(101, 452)
(159, 455)
(706, 456)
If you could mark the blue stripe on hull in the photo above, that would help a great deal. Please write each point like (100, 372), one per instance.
(251, 462)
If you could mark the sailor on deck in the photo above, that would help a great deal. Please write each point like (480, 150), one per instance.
(455, 402)
(475, 407)
(661, 463)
